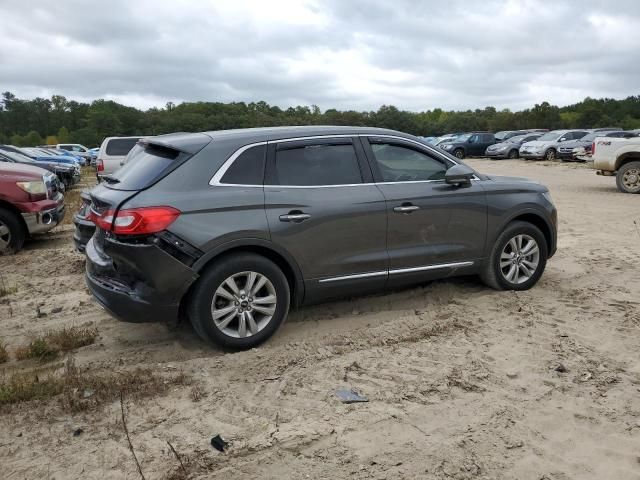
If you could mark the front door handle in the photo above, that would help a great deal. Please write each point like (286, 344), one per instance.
(295, 217)
(406, 208)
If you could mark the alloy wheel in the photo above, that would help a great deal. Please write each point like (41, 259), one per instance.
(519, 259)
(551, 154)
(243, 304)
(5, 236)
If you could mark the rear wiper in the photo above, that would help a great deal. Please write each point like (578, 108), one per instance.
(110, 180)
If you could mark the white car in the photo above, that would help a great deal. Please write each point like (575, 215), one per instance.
(112, 153)
(75, 148)
(547, 145)
(619, 157)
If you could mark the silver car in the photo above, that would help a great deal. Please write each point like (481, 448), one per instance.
(547, 145)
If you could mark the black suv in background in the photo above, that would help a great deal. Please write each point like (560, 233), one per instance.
(235, 227)
(469, 145)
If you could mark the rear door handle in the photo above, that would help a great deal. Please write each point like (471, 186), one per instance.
(406, 208)
(295, 217)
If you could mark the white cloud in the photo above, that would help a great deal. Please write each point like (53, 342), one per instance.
(346, 54)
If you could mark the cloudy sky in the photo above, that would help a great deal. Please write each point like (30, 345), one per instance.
(348, 54)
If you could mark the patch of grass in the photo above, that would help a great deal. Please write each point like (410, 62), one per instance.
(4, 291)
(80, 390)
(49, 346)
(4, 355)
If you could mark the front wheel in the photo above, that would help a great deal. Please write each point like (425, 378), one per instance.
(517, 259)
(513, 153)
(240, 301)
(12, 233)
(551, 154)
(459, 153)
(628, 178)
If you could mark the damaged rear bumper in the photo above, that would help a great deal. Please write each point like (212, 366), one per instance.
(137, 282)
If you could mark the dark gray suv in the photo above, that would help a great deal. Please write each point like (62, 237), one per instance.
(232, 228)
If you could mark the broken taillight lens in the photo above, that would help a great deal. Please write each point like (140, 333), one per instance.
(137, 221)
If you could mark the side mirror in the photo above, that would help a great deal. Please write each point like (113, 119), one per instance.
(562, 139)
(459, 175)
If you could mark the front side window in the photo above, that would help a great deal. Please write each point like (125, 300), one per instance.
(402, 164)
(314, 165)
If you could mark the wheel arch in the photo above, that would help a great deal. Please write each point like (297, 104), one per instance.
(626, 158)
(540, 222)
(11, 208)
(283, 259)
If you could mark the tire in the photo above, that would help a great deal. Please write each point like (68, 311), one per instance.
(213, 295)
(551, 155)
(458, 153)
(495, 275)
(12, 232)
(513, 153)
(628, 177)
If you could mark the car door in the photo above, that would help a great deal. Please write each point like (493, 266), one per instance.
(433, 228)
(474, 145)
(324, 209)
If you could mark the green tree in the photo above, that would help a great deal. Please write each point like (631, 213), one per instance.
(63, 135)
(32, 139)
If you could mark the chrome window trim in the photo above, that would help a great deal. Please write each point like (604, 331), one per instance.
(397, 271)
(216, 179)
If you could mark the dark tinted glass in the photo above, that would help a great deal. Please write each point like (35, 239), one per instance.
(248, 168)
(318, 165)
(120, 146)
(143, 166)
(401, 164)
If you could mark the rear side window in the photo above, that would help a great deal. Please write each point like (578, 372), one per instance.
(144, 165)
(120, 146)
(313, 165)
(248, 168)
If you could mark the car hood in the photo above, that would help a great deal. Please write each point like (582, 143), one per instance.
(22, 170)
(497, 146)
(537, 143)
(521, 183)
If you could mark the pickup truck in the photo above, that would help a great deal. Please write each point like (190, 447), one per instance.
(619, 157)
(30, 202)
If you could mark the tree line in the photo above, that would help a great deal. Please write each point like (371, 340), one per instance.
(29, 122)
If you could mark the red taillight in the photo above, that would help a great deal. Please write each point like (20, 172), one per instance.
(137, 221)
(593, 149)
(100, 165)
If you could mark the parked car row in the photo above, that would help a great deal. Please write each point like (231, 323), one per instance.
(529, 144)
(64, 167)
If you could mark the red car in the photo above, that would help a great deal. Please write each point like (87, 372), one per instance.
(30, 202)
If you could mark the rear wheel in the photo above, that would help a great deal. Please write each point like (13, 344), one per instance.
(517, 259)
(551, 154)
(11, 232)
(513, 153)
(459, 153)
(240, 301)
(628, 178)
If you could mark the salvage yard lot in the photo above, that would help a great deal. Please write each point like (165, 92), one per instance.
(463, 382)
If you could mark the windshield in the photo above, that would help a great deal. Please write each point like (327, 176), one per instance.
(463, 138)
(550, 136)
(517, 138)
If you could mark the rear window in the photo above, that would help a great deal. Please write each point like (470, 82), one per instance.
(120, 146)
(248, 168)
(144, 165)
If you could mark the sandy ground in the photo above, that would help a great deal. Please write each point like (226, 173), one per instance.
(461, 379)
